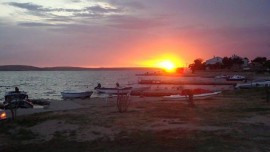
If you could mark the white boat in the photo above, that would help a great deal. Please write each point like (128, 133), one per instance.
(76, 94)
(123, 90)
(252, 84)
(236, 78)
(195, 96)
(221, 77)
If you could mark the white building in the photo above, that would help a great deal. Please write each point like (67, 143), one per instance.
(245, 62)
(214, 60)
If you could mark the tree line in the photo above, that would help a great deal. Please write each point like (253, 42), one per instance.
(258, 64)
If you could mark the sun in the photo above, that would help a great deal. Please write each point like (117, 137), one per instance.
(167, 65)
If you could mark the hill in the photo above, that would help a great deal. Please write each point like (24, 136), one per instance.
(18, 68)
(33, 68)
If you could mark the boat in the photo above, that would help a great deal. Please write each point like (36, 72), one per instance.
(236, 78)
(195, 96)
(151, 74)
(122, 90)
(221, 77)
(12, 95)
(253, 84)
(17, 99)
(76, 94)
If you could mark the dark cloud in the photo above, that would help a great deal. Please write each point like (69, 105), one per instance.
(128, 4)
(33, 9)
(35, 24)
(87, 10)
(39, 8)
(60, 19)
(48, 14)
(27, 6)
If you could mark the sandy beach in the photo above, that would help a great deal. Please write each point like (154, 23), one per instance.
(233, 121)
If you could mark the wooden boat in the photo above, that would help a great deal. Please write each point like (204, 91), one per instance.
(253, 84)
(123, 90)
(76, 94)
(195, 96)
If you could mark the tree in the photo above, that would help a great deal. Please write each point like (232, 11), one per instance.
(267, 64)
(260, 63)
(197, 65)
(227, 62)
(237, 61)
(260, 60)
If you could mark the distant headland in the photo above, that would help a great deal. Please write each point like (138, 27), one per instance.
(64, 68)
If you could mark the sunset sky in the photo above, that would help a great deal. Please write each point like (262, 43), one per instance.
(131, 33)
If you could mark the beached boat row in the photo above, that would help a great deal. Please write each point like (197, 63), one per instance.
(166, 82)
(66, 94)
(101, 90)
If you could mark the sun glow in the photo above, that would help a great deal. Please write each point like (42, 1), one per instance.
(168, 62)
(167, 65)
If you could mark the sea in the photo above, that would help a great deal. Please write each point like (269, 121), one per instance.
(49, 84)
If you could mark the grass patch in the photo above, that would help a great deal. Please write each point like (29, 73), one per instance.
(168, 140)
(6, 126)
(32, 120)
(23, 134)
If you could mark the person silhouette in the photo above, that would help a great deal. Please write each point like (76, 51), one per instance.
(98, 86)
(117, 85)
(17, 90)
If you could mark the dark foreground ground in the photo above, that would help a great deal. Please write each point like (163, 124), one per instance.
(234, 121)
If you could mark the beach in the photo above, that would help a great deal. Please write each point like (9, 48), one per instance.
(232, 121)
